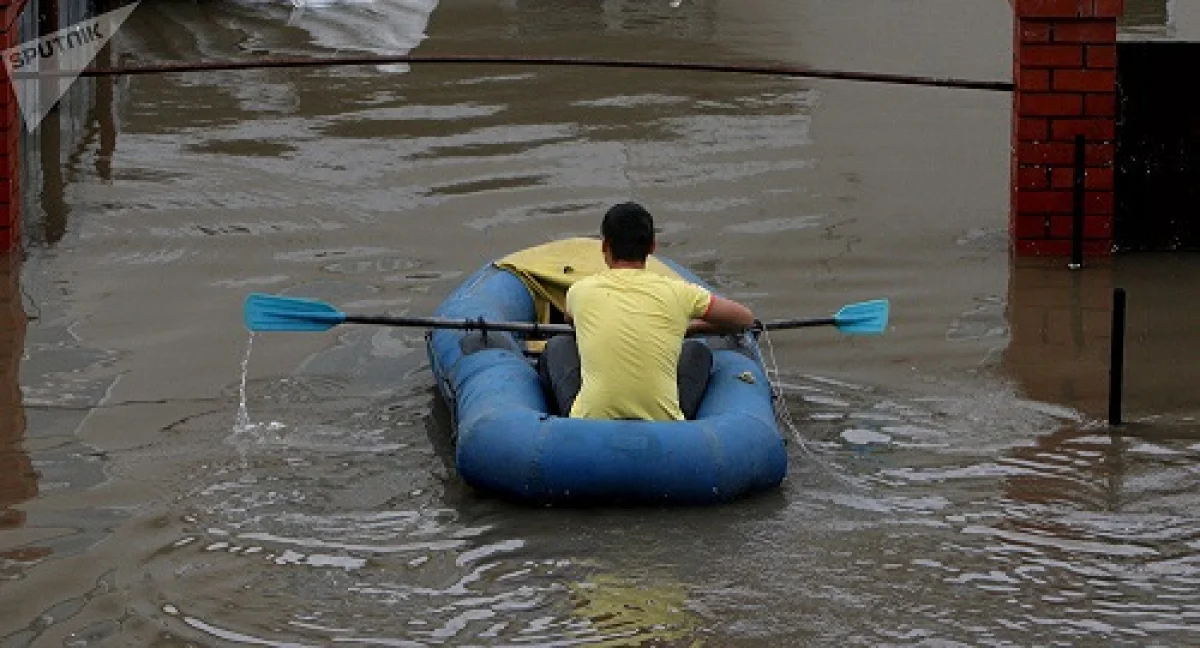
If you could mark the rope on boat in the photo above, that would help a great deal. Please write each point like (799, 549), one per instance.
(784, 414)
(543, 61)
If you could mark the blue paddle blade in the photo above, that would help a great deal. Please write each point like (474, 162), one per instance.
(863, 318)
(275, 313)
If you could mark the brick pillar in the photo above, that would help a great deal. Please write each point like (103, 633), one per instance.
(10, 135)
(1064, 70)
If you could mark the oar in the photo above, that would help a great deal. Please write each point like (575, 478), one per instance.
(861, 318)
(277, 313)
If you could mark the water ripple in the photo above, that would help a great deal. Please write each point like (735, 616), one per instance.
(1048, 526)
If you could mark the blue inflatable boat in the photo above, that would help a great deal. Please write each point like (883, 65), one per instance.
(508, 441)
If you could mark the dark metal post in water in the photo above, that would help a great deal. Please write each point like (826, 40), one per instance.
(1117, 359)
(1077, 213)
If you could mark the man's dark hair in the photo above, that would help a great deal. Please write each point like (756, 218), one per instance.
(629, 230)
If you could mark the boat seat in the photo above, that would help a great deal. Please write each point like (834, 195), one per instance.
(478, 341)
(730, 343)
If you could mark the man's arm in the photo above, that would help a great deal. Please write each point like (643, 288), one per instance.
(723, 316)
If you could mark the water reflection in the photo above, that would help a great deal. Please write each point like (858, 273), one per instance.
(82, 124)
(1015, 510)
(216, 30)
(18, 478)
(1095, 520)
(376, 26)
(628, 611)
(536, 20)
(1061, 325)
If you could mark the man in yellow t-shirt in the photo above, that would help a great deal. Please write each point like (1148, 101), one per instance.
(628, 358)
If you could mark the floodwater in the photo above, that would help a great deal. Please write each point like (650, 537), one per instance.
(166, 479)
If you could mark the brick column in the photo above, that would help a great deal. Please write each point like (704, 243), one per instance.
(1064, 70)
(10, 135)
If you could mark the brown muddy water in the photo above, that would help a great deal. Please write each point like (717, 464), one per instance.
(952, 482)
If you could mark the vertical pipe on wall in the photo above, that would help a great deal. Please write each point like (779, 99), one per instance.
(1077, 206)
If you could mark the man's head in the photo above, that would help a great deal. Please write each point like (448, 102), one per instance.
(628, 231)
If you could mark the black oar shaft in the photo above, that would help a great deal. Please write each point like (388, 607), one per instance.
(799, 323)
(537, 329)
(461, 324)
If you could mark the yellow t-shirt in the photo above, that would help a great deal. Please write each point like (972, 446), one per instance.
(630, 325)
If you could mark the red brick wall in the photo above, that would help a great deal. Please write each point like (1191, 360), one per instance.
(1064, 72)
(10, 134)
